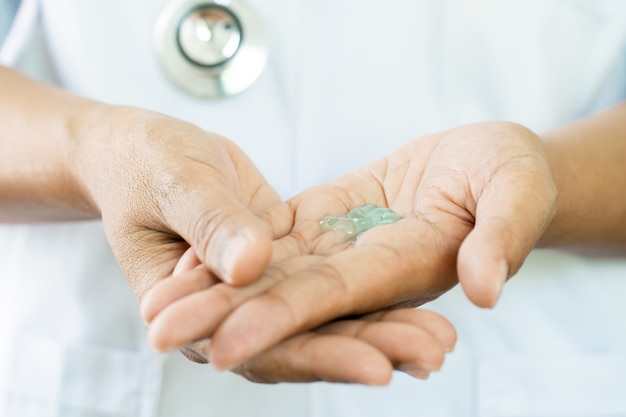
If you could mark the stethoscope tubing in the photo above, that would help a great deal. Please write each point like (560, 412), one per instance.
(20, 32)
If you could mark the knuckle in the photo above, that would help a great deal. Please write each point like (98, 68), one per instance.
(204, 228)
(224, 296)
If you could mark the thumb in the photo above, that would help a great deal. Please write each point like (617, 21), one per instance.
(509, 222)
(227, 237)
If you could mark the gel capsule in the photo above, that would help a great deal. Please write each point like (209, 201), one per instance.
(359, 220)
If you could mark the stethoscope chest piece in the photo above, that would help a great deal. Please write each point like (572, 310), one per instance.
(211, 48)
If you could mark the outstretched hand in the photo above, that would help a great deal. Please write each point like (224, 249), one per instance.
(473, 200)
(162, 184)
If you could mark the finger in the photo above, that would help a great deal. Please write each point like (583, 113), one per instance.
(168, 291)
(174, 288)
(227, 237)
(355, 281)
(181, 311)
(508, 224)
(412, 340)
(312, 357)
(434, 323)
(196, 315)
(187, 262)
(408, 347)
(215, 211)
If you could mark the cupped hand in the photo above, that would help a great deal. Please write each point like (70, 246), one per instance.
(363, 349)
(474, 200)
(163, 185)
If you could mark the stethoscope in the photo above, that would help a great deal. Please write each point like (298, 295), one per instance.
(208, 48)
(211, 48)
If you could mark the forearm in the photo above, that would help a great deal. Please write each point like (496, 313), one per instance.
(588, 161)
(38, 152)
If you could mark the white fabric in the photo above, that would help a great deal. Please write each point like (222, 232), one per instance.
(19, 31)
(346, 83)
(8, 9)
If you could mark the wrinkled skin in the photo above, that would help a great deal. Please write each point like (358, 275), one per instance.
(162, 183)
(474, 201)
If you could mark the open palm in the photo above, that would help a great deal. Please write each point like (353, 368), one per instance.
(473, 200)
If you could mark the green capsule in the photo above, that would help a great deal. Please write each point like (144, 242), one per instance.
(359, 220)
(338, 223)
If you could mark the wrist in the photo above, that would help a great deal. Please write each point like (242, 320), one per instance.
(101, 151)
(586, 160)
(90, 133)
(559, 232)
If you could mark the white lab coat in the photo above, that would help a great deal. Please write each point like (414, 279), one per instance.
(346, 83)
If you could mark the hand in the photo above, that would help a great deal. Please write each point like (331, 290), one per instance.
(162, 184)
(474, 201)
(358, 350)
(158, 183)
